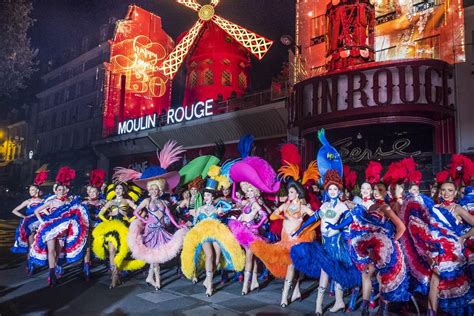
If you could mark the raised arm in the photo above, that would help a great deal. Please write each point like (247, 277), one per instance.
(18, 208)
(234, 195)
(400, 227)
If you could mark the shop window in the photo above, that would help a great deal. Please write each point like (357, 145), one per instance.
(242, 81)
(193, 78)
(226, 78)
(208, 78)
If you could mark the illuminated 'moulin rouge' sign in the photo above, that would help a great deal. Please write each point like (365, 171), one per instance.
(134, 87)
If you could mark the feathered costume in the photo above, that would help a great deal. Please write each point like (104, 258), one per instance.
(332, 255)
(208, 228)
(69, 222)
(115, 231)
(258, 173)
(276, 256)
(148, 238)
(30, 223)
(468, 203)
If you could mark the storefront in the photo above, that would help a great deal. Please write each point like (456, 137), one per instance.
(260, 115)
(380, 111)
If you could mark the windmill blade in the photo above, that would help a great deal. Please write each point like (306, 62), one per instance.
(192, 4)
(171, 64)
(215, 2)
(254, 43)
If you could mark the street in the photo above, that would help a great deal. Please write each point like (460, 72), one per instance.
(25, 295)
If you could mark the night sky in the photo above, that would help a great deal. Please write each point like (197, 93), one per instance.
(62, 23)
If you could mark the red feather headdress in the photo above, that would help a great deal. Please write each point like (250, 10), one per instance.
(350, 178)
(97, 178)
(41, 177)
(414, 176)
(65, 176)
(373, 172)
(461, 169)
(442, 176)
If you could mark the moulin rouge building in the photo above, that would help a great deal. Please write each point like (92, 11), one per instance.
(379, 77)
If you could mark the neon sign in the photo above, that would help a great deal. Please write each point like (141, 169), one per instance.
(138, 124)
(197, 110)
(134, 87)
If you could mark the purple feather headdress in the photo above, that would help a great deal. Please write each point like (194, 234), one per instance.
(257, 172)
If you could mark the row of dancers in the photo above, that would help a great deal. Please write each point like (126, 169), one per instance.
(236, 214)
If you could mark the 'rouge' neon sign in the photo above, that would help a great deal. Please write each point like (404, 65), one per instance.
(197, 110)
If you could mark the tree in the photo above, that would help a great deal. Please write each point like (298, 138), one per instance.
(16, 55)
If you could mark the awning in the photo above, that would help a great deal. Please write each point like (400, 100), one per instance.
(262, 122)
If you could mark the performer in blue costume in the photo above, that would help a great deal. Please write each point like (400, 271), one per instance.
(25, 233)
(93, 203)
(330, 259)
(63, 227)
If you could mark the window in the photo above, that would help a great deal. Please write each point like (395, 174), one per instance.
(318, 29)
(208, 78)
(63, 117)
(193, 78)
(226, 78)
(428, 47)
(242, 81)
(66, 94)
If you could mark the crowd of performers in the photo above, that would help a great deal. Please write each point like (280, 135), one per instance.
(382, 238)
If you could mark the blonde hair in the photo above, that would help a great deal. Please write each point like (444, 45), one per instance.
(160, 183)
(245, 186)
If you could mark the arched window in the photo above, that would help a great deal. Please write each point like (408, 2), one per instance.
(193, 78)
(226, 78)
(208, 77)
(242, 81)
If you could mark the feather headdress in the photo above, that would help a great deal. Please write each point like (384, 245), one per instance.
(97, 178)
(40, 178)
(350, 178)
(373, 172)
(65, 176)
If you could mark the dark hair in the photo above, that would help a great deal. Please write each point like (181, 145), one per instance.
(298, 187)
(380, 184)
(213, 192)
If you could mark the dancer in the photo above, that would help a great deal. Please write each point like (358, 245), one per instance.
(330, 259)
(63, 227)
(213, 238)
(94, 204)
(276, 257)
(255, 175)
(148, 238)
(374, 236)
(25, 234)
(110, 236)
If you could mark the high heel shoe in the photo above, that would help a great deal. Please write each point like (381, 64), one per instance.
(52, 280)
(208, 282)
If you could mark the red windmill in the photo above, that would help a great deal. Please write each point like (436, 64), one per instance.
(217, 36)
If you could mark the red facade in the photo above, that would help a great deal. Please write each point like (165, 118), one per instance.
(217, 69)
(134, 86)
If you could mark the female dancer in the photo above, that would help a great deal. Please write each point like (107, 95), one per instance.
(212, 237)
(331, 259)
(148, 238)
(246, 230)
(276, 257)
(94, 204)
(63, 227)
(374, 236)
(25, 235)
(111, 233)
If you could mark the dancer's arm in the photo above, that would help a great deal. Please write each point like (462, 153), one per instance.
(40, 209)
(311, 220)
(103, 210)
(223, 206)
(400, 227)
(234, 195)
(137, 211)
(19, 207)
(346, 221)
(263, 218)
(465, 215)
(168, 213)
